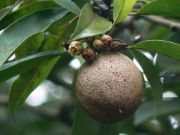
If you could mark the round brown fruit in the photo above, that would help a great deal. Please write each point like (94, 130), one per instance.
(111, 88)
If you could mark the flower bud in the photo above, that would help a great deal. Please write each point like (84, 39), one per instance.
(106, 39)
(98, 44)
(75, 48)
(89, 55)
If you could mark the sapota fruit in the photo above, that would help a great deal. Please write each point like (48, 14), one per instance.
(109, 89)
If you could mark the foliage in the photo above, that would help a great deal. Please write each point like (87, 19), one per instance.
(34, 32)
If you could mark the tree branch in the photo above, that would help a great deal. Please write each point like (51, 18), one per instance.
(174, 26)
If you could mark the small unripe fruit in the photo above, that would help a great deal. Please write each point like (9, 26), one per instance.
(75, 48)
(110, 89)
(89, 55)
(98, 44)
(106, 39)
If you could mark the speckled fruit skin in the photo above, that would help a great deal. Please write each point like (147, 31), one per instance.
(111, 88)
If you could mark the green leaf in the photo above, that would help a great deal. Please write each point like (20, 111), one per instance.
(19, 66)
(55, 28)
(85, 125)
(146, 110)
(160, 46)
(121, 9)
(161, 7)
(26, 10)
(27, 82)
(30, 79)
(125, 127)
(81, 3)
(159, 32)
(152, 76)
(69, 5)
(25, 28)
(30, 46)
(90, 24)
(7, 10)
(5, 3)
(4, 12)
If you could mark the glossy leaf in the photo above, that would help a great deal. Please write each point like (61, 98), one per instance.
(27, 82)
(159, 32)
(121, 9)
(5, 3)
(81, 3)
(30, 46)
(16, 67)
(7, 10)
(152, 76)
(90, 24)
(30, 79)
(83, 124)
(146, 110)
(55, 28)
(26, 10)
(124, 127)
(25, 28)
(163, 47)
(163, 62)
(4, 12)
(161, 7)
(69, 5)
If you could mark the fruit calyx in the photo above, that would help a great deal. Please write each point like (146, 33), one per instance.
(95, 46)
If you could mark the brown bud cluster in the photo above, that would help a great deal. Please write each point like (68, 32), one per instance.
(105, 42)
